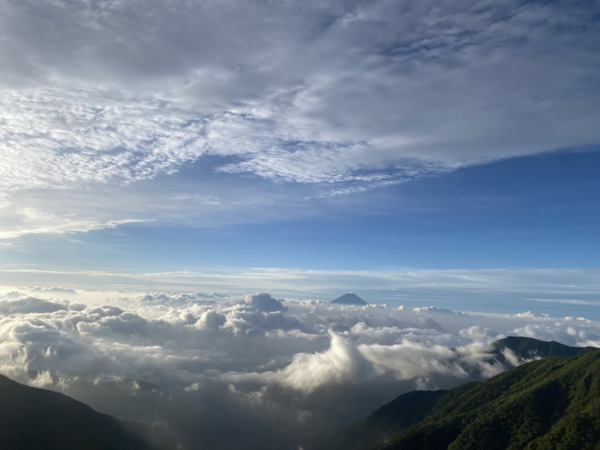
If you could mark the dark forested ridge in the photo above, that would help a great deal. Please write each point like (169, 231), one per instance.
(529, 348)
(549, 403)
(32, 419)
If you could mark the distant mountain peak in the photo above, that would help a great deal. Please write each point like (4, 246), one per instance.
(349, 299)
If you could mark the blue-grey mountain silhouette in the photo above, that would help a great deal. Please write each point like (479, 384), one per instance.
(349, 299)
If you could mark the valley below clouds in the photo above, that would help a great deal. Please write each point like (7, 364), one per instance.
(250, 371)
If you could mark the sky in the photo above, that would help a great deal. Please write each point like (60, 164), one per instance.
(249, 146)
(184, 184)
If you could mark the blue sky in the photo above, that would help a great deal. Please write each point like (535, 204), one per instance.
(526, 212)
(330, 138)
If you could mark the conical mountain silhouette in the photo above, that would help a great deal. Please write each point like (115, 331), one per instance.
(349, 299)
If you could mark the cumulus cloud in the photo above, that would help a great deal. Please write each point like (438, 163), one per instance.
(340, 364)
(30, 305)
(250, 371)
(265, 303)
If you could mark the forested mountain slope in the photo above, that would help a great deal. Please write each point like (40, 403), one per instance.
(414, 411)
(548, 403)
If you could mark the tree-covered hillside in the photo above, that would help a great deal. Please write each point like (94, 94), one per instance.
(549, 403)
(420, 410)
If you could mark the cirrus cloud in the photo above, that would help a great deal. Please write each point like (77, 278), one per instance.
(345, 96)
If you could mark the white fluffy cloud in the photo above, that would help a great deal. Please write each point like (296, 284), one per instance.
(211, 367)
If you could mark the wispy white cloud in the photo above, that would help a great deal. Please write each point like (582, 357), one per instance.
(566, 301)
(347, 95)
(41, 223)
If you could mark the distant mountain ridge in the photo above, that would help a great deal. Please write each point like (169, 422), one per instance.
(530, 348)
(409, 421)
(349, 299)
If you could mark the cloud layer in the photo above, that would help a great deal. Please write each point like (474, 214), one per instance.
(251, 371)
(344, 95)
(557, 292)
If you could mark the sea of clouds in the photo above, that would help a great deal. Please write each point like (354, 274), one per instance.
(250, 371)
